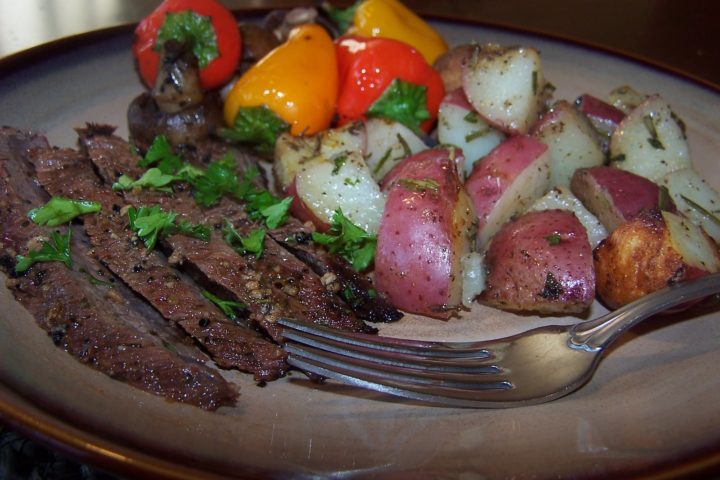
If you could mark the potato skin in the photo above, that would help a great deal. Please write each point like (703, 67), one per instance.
(540, 262)
(449, 65)
(638, 258)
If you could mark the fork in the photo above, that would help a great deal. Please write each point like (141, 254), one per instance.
(532, 367)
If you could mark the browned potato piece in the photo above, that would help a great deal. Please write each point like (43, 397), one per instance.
(651, 251)
(540, 262)
(449, 66)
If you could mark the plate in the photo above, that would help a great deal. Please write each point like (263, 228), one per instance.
(651, 407)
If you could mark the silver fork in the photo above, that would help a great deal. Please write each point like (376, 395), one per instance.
(533, 367)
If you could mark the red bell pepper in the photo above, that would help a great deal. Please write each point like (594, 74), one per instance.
(209, 27)
(388, 78)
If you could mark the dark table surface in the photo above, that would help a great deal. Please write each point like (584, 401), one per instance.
(682, 36)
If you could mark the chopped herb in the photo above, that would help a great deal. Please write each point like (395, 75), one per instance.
(534, 82)
(55, 250)
(219, 179)
(350, 297)
(151, 223)
(273, 211)
(253, 243)
(421, 186)
(620, 157)
(60, 210)
(160, 155)
(343, 17)
(383, 160)
(228, 307)
(189, 27)
(403, 143)
(347, 239)
(553, 239)
(476, 134)
(350, 182)
(403, 102)
(702, 209)
(552, 289)
(664, 199)
(258, 126)
(471, 117)
(653, 140)
(154, 178)
(338, 163)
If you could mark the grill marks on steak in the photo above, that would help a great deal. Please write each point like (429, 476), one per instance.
(97, 325)
(66, 172)
(278, 284)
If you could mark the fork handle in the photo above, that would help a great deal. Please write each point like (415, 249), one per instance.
(599, 333)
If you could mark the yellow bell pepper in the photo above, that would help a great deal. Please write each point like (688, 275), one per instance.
(298, 81)
(392, 19)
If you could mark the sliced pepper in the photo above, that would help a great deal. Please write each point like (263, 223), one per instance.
(208, 26)
(298, 81)
(392, 19)
(378, 75)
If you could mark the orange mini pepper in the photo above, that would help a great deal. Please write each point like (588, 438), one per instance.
(298, 81)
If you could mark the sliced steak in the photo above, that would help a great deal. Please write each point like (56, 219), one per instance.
(275, 285)
(95, 324)
(231, 345)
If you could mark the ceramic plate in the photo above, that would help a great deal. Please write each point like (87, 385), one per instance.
(652, 406)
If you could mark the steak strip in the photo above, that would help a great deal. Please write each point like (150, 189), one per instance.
(94, 324)
(273, 286)
(68, 173)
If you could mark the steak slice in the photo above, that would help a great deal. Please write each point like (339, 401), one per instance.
(275, 285)
(231, 345)
(91, 322)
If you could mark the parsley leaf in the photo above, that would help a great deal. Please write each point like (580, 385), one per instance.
(259, 126)
(151, 223)
(553, 239)
(56, 250)
(59, 210)
(228, 307)
(219, 179)
(273, 211)
(160, 154)
(153, 178)
(253, 243)
(403, 102)
(190, 27)
(347, 239)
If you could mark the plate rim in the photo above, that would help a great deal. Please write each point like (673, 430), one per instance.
(40, 424)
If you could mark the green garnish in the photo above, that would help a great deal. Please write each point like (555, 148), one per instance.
(415, 185)
(151, 223)
(476, 134)
(653, 140)
(343, 17)
(228, 307)
(338, 163)
(60, 210)
(471, 117)
(55, 250)
(259, 126)
(219, 179)
(95, 281)
(253, 243)
(383, 160)
(350, 182)
(190, 27)
(702, 209)
(620, 157)
(160, 154)
(403, 143)
(153, 178)
(347, 239)
(403, 102)
(553, 239)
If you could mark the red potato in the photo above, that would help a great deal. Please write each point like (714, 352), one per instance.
(614, 196)
(505, 85)
(604, 117)
(506, 182)
(449, 65)
(461, 126)
(650, 141)
(572, 140)
(540, 262)
(388, 143)
(424, 235)
(652, 251)
(345, 182)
